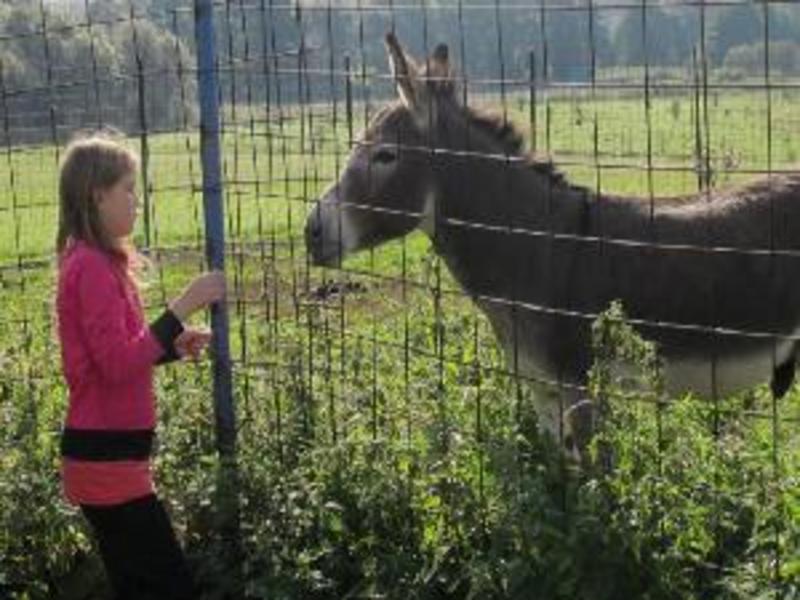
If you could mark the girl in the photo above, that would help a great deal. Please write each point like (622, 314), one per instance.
(108, 354)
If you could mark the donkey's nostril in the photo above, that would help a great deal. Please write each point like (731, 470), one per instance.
(313, 234)
(315, 230)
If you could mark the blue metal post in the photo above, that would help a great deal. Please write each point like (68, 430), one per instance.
(227, 495)
(213, 208)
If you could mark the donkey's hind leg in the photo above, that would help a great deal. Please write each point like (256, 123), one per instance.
(783, 376)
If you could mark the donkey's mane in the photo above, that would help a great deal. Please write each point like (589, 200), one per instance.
(512, 141)
(498, 129)
(503, 131)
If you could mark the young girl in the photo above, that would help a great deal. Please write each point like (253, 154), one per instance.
(108, 355)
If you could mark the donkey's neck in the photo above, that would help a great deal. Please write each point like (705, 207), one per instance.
(493, 215)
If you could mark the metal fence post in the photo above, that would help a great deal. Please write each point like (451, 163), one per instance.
(230, 551)
(214, 212)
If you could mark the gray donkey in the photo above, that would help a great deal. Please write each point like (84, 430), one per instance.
(712, 278)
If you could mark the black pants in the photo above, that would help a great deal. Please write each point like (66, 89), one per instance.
(141, 554)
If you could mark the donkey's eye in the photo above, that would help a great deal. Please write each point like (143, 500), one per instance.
(384, 156)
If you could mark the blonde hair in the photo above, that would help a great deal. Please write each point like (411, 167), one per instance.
(92, 163)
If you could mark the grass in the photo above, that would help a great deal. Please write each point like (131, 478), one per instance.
(272, 179)
(384, 449)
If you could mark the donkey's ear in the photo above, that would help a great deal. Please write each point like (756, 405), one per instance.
(439, 74)
(441, 57)
(405, 72)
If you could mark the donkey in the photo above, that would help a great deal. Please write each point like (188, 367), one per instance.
(711, 278)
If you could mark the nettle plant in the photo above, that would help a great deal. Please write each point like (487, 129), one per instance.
(690, 484)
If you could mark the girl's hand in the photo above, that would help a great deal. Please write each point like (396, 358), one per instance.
(191, 342)
(205, 289)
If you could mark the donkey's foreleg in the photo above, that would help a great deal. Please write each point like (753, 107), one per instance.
(783, 375)
(578, 422)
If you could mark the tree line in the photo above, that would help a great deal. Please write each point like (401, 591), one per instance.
(58, 70)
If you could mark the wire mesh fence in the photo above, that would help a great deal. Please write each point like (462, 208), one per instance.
(390, 403)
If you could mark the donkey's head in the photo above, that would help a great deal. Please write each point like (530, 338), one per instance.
(386, 189)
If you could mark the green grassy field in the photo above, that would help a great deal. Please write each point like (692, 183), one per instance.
(263, 171)
(385, 451)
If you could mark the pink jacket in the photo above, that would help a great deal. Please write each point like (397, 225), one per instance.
(108, 353)
(107, 350)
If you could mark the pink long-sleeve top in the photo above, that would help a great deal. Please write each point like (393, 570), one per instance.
(108, 354)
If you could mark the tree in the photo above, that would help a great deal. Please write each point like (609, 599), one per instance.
(784, 58)
(75, 77)
(571, 45)
(738, 25)
(667, 40)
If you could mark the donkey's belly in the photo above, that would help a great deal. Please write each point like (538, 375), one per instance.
(725, 375)
(688, 367)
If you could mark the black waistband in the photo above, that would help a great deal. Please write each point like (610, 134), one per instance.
(107, 444)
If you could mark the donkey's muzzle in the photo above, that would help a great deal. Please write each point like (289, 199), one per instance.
(313, 235)
(316, 245)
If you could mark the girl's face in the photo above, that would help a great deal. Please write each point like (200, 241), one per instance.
(117, 207)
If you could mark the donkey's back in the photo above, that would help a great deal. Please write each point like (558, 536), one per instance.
(713, 280)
